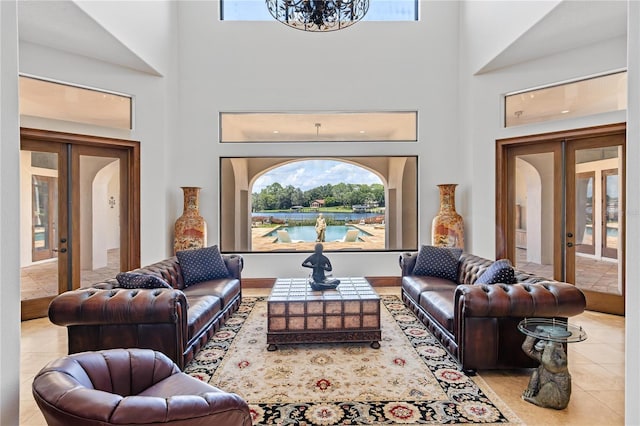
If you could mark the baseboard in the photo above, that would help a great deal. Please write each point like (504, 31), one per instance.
(268, 282)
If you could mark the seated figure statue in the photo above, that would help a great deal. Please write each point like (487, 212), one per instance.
(320, 263)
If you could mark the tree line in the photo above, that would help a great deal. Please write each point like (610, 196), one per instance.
(277, 197)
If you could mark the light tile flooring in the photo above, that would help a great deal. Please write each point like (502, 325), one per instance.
(596, 365)
(41, 279)
(591, 274)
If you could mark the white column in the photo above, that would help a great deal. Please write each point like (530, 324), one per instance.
(9, 217)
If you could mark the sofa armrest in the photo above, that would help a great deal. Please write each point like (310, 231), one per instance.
(407, 262)
(118, 306)
(544, 299)
(234, 264)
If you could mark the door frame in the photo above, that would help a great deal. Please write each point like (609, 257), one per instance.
(603, 302)
(130, 208)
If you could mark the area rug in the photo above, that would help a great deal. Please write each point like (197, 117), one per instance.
(411, 379)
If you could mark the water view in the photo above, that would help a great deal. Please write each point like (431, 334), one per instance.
(311, 216)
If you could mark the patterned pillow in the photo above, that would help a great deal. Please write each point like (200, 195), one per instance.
(500, 271)
(202, 265)
(138, 280)
(441, 262)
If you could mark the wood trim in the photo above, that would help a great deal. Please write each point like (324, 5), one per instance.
(605, 302)
(374, 281)
(502, 173)
(76, 139)
(587, 132)
(129, 153)
(575, 139)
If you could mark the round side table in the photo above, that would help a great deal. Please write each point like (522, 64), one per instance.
(550, 384)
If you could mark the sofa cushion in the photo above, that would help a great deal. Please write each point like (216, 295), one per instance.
(137, 280)
(414, 285)
(500, 272)
(439, 304)
(202, 309)
(226, 289)
(441, 262)
(202, 265)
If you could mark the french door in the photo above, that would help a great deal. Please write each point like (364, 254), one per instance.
(560, 210)
(79, 213)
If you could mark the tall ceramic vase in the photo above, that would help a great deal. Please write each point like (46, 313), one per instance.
(447, 229)
(190, 228)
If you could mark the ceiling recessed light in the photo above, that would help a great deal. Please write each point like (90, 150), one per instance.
(276, 131)
(361, 131)
(564, 111)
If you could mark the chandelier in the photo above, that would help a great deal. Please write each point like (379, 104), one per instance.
(318, 15)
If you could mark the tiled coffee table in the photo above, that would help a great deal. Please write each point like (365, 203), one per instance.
(297, 314)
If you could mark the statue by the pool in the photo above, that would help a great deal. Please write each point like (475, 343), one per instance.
(320, 264)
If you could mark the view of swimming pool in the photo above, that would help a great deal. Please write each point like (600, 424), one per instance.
(308, 233)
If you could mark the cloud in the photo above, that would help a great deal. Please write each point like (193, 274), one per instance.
(309, 174)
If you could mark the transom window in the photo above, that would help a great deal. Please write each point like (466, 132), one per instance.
(605, 93)
(379, 10)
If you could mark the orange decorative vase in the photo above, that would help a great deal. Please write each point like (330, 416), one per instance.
(190, 228)
(447, 229)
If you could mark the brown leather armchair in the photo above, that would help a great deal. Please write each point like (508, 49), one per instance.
(130, 386)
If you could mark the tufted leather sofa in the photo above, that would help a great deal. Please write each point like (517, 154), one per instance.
(177, 322)
(130, 386)
(477, 324)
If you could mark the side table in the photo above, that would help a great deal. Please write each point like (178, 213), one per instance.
(550, 384)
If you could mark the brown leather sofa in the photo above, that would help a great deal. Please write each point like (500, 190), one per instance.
(177, 322)
(130, 386)
(477, 324)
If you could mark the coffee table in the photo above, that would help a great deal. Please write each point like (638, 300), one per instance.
(297, 314)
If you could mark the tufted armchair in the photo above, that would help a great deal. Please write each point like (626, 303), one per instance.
(130, 386)
(477, 323)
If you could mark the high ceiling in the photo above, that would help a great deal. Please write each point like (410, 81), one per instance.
(66, 26)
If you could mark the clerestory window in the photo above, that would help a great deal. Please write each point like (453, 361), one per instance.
(379, 10)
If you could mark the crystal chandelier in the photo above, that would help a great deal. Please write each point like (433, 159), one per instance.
(318, 15)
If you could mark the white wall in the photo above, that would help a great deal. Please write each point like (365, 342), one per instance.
(9, 217)
(152, 127)
(632, 299)
(266, 66)
(139, 25)
(482, 127)
(496, 24)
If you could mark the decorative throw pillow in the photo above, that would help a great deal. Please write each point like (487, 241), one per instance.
(500, 271)
(202, 265)
(441, 262)
(138, 280)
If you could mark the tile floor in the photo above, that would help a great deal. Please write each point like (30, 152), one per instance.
(596, 366)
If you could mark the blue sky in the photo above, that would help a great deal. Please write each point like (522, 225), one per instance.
(379, 10)
(313, 173)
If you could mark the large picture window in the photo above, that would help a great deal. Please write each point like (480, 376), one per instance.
(288, 204)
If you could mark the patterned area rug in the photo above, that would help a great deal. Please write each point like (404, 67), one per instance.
(411, 379)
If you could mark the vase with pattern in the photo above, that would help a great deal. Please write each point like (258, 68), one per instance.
(447, 228)
(190, 228)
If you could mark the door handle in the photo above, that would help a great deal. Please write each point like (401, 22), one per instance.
(568, 245)
(62, 250)
(570, 235)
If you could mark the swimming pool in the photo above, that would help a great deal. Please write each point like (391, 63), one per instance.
(308, 233)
